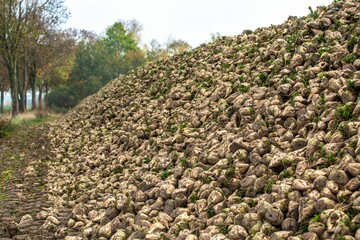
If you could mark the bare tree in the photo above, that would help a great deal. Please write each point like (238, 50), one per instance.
(134, 28)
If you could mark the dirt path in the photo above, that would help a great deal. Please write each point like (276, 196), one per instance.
(25, 212)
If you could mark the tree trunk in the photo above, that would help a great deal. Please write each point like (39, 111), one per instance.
(25, 83)
(40, 98)
(33, 96)
(22, 88)
(21, 99)
(32, 81)
(13, 89)
(1, 100)
(25, 100)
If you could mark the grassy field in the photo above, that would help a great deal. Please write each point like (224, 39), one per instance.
(22, 120)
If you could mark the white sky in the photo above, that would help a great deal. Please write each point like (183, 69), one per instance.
(190, 20)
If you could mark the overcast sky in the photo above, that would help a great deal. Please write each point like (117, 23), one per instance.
(189, 20)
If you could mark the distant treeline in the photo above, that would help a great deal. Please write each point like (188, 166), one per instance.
(65, 65)
(98, 59)
(30, 40)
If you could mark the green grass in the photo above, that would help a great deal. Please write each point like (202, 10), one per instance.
(240, 193)
(291, 42)
(211, 212)
(341, 237)
(171, 128)
(165, 174)
(18, 122)
(240, 88)
(351, 43)
(286, 161)
(286, 174)
(351, 84)
(252, 203)
(118, 170)
(13, 213)
(194, 198)
(8, 130)
(347, 221)
(344, 112)
(223, 229)
(350, 58)
(146, 160)
(2, 196)
(323, 50)
(268, 186)
(316, 218)
(304, 226)
(185, 163)
(351, 212)
(352, 144)
(263, 79)
(313, 13)
(206, 180)
(230, 172)
(6, 175)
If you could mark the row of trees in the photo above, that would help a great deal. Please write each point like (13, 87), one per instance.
(27, 28)
(65, 65)
(99, 59)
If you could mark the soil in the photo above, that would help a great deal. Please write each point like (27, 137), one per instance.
(23, 167)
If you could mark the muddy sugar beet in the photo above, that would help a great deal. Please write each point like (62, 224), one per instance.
(248, 137)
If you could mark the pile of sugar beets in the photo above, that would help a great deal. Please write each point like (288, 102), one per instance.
(248, 137)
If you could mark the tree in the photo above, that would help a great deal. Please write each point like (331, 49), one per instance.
(119, 40)
(133, 28)
(22, 82)
(103, 59)
(97, 61)
(177, 46)
(3, 86)
(51, 62)
(17, 19)
(172, 47)
(132, 60)
(155, 51)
